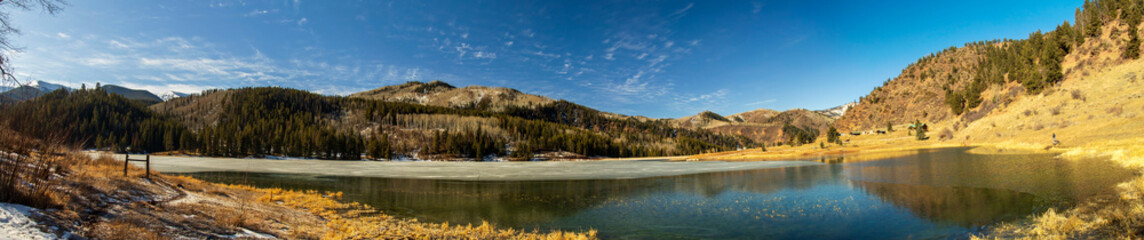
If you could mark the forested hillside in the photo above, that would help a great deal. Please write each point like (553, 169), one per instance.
(96, 118)
(964, 84)
(289, 122)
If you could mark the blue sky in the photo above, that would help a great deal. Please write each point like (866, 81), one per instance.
(652, 58)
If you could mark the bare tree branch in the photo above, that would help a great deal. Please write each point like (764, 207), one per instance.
(7, 29)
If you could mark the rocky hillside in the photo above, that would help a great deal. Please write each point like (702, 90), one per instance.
(762, 125)
(918, 93)
(961, 85)
(437, 93)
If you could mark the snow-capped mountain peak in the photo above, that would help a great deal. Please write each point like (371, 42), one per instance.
(168, 95)
(46, 86)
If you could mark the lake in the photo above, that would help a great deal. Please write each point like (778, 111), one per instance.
(942, 193)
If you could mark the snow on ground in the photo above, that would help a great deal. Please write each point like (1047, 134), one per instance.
(468, 170)
(248, 234)
(15, 223)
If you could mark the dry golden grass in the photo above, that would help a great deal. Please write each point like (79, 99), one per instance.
(860, 148)
(358, 221)
(95, 200)
(1096, 112)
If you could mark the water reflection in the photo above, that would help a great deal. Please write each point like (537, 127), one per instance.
(931, 194)
(962, 206)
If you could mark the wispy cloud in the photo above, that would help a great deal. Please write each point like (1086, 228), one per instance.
(756, 7)
(709, 98)
(260, 12)
(683, 10)
(768, 101)
(191, 65)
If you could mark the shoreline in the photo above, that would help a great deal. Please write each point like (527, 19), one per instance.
(466, 171)
(1114, 216)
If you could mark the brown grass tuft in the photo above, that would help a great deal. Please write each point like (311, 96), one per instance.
(1077, 95)
(1115, 110)
(31, 169)
(123, 230)
(945, 134)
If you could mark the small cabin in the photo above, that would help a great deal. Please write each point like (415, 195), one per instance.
(922, 126)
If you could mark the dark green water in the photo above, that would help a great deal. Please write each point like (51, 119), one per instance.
(933, 194)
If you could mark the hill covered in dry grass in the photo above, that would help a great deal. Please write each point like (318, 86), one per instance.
(962, 85)
(1079, 84)
(437, 93)
(763, 126)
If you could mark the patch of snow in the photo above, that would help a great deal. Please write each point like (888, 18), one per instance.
(247, 233)
(168, 95)
(46, 86)
(15, 223)
(838, 111)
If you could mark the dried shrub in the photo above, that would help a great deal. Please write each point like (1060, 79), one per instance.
(945, 134)
(1077, 95)
(1055, 110)
(123, 230)
(1038, 127)
(1028, 112)
(31, 169)
(1115, 111)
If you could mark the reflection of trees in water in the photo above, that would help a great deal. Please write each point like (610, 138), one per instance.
(962, 206)
(904, 181)
(525, 203)
(1062, 182)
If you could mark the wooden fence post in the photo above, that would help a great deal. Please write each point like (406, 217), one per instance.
(127, 159)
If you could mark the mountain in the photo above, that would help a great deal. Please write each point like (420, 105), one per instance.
(762, 125)
(20, 93)
(38, 88)
(47, 87)
(29, 91)
(278, 121)
(756, 116)
(133, 94)
(168, 95)
(437, 93)
(1079, 81)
